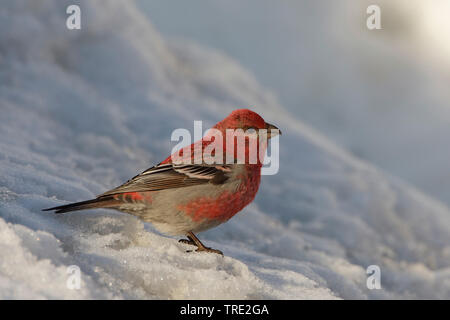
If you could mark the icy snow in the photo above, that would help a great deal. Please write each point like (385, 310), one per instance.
(83, 111)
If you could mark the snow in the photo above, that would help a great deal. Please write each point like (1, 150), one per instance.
(83, 111)
(382, 94)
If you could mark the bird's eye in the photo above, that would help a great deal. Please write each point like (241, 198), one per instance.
(251, 130)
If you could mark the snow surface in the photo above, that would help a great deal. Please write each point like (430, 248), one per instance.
(83, 111)
(382, 94)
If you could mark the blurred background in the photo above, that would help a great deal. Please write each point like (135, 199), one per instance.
(84, 110)
(384, 94)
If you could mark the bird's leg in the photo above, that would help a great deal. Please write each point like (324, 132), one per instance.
(193, 240)
(188, 241)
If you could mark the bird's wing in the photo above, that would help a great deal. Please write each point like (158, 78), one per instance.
(168, 176)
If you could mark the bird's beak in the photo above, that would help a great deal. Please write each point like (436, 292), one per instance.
(272, 131)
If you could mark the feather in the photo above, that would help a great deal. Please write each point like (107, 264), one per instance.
(168, 176)
(101, 202)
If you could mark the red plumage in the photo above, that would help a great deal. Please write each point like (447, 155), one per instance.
(179, 198)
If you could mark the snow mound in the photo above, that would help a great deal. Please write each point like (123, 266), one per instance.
(84, 110)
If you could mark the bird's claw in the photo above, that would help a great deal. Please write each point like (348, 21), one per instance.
(186, 241)
(206, 249)
(199, 249)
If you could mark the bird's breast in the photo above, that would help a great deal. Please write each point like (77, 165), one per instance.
(222, 205)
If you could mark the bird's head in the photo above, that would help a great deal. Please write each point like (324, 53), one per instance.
(246, 119)
(243, 135)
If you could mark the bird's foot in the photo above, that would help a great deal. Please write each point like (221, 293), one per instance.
(187, 241)
(206, 249)
(200, 247)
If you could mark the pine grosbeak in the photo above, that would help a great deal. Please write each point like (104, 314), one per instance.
(186, 198)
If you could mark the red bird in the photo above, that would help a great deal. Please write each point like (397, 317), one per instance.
(183, 199)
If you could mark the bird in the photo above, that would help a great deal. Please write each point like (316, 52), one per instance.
(181, 198)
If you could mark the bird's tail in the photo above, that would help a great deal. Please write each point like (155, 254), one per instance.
(101, 202)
